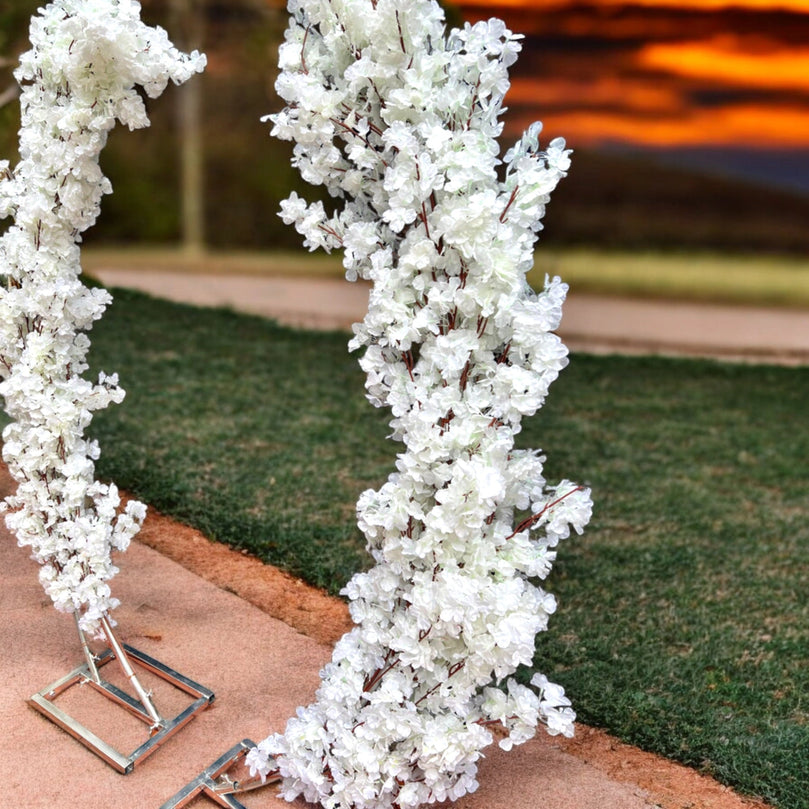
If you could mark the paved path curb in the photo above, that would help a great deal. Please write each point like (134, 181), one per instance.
(590, 323)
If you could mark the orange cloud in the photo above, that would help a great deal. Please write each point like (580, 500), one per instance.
(726, 59)
(638, 94)
(663, 79)
(699, 5)
(746, 125)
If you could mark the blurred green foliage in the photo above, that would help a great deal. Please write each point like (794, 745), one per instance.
(619, 202)
(247, 173)
(14, 17)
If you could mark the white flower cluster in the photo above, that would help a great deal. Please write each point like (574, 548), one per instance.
(80, 75)
(400, 121)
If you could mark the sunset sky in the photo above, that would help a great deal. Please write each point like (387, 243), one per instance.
(710, 81)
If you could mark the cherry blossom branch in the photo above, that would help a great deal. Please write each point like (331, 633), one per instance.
(535, 518)
(77, 80)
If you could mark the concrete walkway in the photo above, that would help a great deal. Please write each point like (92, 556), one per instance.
(594, 323)
(260, 670)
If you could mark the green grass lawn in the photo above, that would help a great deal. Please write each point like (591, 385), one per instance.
(683, 624)
(744, 279)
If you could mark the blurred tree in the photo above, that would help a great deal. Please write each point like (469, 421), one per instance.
(235, 175)
(243, 173)
(14, 18)
(187, 30)
(11, 92)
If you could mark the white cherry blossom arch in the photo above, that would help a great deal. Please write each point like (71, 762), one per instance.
(78, 79)
(398, 119)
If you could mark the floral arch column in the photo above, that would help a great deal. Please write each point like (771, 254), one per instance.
(80, 77)
(398, 119)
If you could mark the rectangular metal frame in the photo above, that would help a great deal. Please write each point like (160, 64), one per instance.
(210, 783)
(42, 702)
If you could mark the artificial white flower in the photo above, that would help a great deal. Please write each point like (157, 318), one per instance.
(399, 121)
(78, 78)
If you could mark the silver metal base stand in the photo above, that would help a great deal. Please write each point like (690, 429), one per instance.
(142, 706)
(215, 783)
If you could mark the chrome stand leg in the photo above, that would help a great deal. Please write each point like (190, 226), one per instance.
(141, 705)
(144, 696)
(215, 782)
(88, 655)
